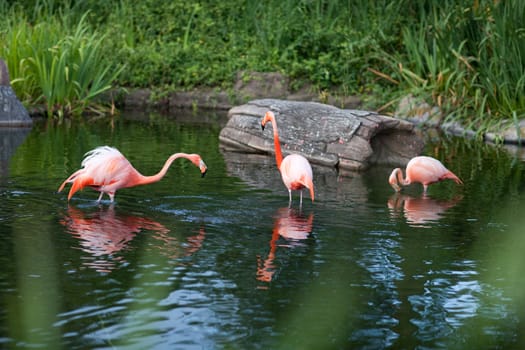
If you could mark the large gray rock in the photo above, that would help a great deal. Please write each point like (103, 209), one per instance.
(326, 135)
(12, 112)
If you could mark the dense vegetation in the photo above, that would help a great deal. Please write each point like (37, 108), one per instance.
(468, 57)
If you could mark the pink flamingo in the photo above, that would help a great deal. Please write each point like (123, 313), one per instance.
(295, 169)
(425, 170)
(106, 170)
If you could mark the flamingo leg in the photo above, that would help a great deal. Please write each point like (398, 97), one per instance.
(301, 199)
(100, 197)
(289, 198)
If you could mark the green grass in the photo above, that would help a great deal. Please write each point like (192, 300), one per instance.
(467, 57)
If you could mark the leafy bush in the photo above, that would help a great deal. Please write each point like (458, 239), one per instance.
(466, 57)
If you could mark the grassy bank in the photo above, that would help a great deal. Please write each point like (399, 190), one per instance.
(464, 56)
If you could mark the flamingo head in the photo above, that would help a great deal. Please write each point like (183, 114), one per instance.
(203, 168)
(392, 180)
(197, 160)
(268, 117)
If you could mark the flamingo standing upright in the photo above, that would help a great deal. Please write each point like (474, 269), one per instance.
(295, 169)
(106, 170)
(422, 169)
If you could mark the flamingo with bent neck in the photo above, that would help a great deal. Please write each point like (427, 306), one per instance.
(106, 170)
(422, 169)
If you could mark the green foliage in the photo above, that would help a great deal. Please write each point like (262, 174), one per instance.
(466, 57)
(55, 64)
(187, 45)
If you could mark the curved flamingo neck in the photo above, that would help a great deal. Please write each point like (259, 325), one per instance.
(399, 177)
(276, 143)
(144, 180)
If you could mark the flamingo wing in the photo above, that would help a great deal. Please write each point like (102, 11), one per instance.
(426, 170)
(296, 173)
(104, 169)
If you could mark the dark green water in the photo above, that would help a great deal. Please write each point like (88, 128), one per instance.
(221, 262)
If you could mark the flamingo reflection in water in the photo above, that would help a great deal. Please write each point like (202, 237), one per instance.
(105, 233)
(420, 210)
(291, 225)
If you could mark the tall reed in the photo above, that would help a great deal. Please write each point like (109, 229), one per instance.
(57, 65)
(468, 58)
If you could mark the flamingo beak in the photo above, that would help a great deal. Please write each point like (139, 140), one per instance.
(203, 168)
(396, 187)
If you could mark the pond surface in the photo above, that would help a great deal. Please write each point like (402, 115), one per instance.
(222, 262)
